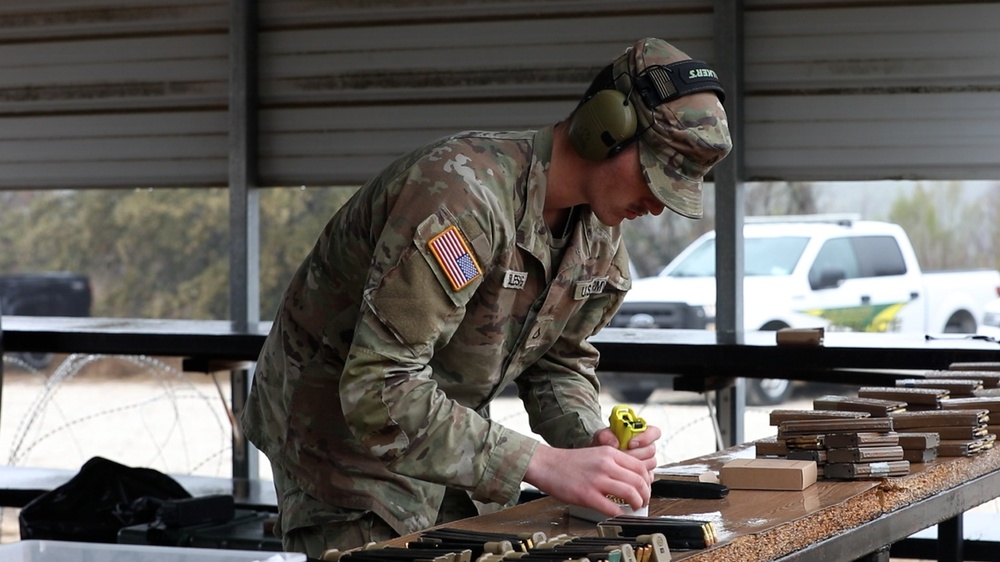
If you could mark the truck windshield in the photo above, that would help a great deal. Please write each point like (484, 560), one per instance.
(772, 256)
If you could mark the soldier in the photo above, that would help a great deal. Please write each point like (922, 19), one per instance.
(475, 261)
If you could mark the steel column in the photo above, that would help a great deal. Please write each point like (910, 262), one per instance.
(244, 206)
(728, 46)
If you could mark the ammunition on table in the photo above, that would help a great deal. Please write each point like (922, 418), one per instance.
(853, 471)
(864, 454)
(876, 407)
(861, 439)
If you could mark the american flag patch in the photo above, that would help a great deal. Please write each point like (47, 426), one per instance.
(457, 262)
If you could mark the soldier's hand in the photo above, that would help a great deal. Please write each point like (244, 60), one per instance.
(642, 445)
(588, 476)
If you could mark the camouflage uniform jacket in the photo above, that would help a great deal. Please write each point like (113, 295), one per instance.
(429, 291)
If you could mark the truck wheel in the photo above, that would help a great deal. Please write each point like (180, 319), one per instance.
(768, 392)
(960, 322)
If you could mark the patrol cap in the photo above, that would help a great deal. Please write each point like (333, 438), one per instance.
(683, 126)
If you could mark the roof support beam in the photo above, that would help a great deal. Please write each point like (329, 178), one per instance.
(728, 175)
(244, 206)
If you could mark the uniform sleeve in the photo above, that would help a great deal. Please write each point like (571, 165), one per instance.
(430, 260)
(561, 391)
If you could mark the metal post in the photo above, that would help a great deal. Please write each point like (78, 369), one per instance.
(951, 540)
(244, 205)
(728, 174)
(1, 358)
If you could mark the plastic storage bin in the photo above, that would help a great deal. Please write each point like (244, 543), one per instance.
(68, 551)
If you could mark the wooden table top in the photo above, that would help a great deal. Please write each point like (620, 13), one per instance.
(763, 525)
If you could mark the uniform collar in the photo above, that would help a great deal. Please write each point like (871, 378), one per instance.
(532, 233)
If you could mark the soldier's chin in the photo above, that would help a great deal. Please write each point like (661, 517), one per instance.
(613, 220)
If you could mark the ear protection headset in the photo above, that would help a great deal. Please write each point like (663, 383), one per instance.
(602, 125)
(605, 121)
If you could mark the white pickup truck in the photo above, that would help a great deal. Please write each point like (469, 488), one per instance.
(990, 326)
(839, 273)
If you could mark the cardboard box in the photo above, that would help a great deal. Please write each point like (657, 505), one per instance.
(768, 474)
(799, 337)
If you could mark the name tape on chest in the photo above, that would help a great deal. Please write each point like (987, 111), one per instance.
(453, 255)
(515, 279)
(585, 289)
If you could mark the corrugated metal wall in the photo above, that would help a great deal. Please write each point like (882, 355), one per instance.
(872, 90)
(131, 94)
(99, 94)
(344, 90)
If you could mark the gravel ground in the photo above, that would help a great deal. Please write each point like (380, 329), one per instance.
(145, 412)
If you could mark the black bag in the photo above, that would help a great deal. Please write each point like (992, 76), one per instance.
(97, 502)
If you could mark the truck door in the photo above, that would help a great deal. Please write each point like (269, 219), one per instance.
(861, 284)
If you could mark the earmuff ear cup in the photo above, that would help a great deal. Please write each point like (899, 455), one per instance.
(601, 124)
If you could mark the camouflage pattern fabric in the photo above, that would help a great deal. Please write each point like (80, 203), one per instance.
(684, 137)
(346, 534)
(428, 292)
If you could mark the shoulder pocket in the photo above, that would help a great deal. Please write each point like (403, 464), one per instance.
(456, 252)
(416, 298)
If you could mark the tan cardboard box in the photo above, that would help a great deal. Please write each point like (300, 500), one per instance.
(768, 474)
